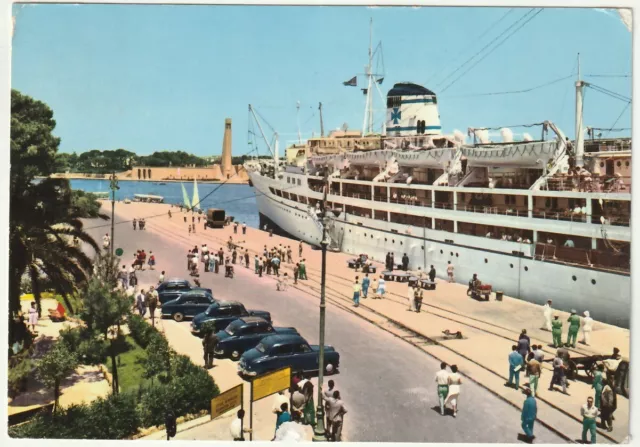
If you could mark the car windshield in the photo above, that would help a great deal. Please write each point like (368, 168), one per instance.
(211, 310)
(261, 347)
(233, 328)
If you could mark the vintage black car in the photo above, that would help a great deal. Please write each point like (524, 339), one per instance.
(173, 288)
(188, 305)
(221, 313)
(245, 333)
(279, 351)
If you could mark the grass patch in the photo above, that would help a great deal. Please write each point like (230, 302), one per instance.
(130, 367)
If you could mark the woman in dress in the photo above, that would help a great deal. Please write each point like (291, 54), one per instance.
(33, 316)
(381, 287)
(454, 389)
(309, 417)
(598, 385)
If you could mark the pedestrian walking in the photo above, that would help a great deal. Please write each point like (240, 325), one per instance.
(123, 276)
(589, 413)
(559, 376)
(152, 260)
(442, 379)
(328, 394)
(365, 285)
(185, 219)
(574, 327)
(133, 278)
(524, 343)
(209, 343)
(235, 228)
(356, 293)
(296, 273)
(161, 278)
(189, 230)
(236, 428)
(597, 384)
(141, 303)
(556, 331)
(533, 372)
(256, 264)
(135, 223)
(213, 264)
(309, 416)
(382, 285)
(152, 303)
(300, 249)
(234, 255)
(303, 270)
(205, 260)
(337, 411)
(106, 241)
(247, 259)
(587, 328)
(515, 365)
(275, 262)
(608, 404)
(260, 267)
(455, 380)
(529, 413)
(33, 316)
(547, 312)
(417, 298)
(170, 422)
(268, 265)
(432, 277)
(244, 228)
(283, 283)
(450, 271)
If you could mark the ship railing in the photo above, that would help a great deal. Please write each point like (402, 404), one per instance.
(601, 259)
(597, 183)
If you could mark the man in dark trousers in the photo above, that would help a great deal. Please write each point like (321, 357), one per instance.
(387, 261)
(432, 277)
(209, 343)
(405, 262)
(170, 424)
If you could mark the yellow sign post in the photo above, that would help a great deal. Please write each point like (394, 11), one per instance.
(227, 401)
(265, 386)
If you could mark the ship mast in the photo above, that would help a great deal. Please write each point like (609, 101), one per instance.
(579, 150)
(367, 126)
(321, 123)
(298, 121)
(274, 149)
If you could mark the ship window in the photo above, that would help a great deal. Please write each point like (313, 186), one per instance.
(602, 164)
(619, 164)
(441, 252)
(435, 100)
(574, 277)
(526, 269)
(593, 281)
(451, 253)
(385, 239)
(486, 261)
(511, 265)
(393, 241)
(400, 242)
(457, 255)
(372, 236)
(299, 182)
(422, 247)
(626, 163)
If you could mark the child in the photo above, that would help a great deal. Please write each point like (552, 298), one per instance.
(33, 316)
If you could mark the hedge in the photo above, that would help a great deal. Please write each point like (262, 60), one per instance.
(189, 391)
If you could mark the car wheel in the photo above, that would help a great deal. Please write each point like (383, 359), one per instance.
(329, 369)
(235, 354)
(178, 316)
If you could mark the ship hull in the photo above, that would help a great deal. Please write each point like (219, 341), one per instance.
(606, 294)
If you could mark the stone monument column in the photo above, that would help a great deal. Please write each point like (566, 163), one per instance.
(226, 166)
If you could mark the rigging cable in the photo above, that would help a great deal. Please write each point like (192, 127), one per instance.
(498, 45)
(618, 118)
(609, 92)
(546, 84)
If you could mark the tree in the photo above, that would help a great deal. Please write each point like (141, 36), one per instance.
(158, 358)
(54, 367)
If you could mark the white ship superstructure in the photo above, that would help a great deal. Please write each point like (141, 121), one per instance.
(537, 219)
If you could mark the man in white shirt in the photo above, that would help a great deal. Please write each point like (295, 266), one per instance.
(442, 379)
(569, 243)
(548, 312)
(106, 241)
(450, 271)
(589, 413)
(587, 327)
(161, 278)
(577, 210)
(236, 430)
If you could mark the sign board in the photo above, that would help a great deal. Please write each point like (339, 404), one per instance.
(270, 383)
(119, 251)
(226, 401)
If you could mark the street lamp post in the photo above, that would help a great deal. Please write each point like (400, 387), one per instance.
(319, 434)
(113, 185)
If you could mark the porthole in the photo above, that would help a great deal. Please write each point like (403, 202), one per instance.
(574, 278)
(486, 261)
(526, 269)
(422, 247)
(372, 236)
(365, 235)
(457, 255)
(393, 241)
(385, 239)
(441, 252)
(602, 164)
(400, 242)
(451, 253)
(593, 281)
(626, 163)
(349, 231)
(511, 265)
(619, 164)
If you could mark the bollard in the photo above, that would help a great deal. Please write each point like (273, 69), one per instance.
(499, 294)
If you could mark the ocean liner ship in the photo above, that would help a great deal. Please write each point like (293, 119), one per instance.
(538, 219)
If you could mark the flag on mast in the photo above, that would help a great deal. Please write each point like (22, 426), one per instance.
(379, 80)
(353, 82)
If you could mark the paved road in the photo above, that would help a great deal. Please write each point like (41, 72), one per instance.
(387, 385)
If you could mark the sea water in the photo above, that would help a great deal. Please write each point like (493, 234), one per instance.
(237, 200)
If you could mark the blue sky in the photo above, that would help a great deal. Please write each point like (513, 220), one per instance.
(148, 78)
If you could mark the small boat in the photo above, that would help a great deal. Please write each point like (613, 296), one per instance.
(127, 201)
(162, 183)
(148, 198)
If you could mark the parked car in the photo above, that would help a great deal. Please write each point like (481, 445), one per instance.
(279, 351)
(188, 305)
(173, 288)
(219, 314)
(245, 333)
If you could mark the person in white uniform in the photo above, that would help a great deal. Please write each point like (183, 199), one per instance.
(587, 327)
(455, 380)
(410, 295)
(548, 312)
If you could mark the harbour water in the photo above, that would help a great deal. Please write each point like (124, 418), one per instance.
(237, 200)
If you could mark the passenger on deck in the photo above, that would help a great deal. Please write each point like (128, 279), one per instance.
(569, 243)
(489, 235)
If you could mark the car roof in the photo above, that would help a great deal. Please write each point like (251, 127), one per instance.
(176, 280)
(253, 320)
(274, 340)
(224, 303)
(195, 293)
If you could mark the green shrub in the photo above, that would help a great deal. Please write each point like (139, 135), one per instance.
(141, 331)
(20, 367)
(91, 349)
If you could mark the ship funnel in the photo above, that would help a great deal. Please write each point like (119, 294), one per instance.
(483, 136)
(507, 135)
(412, 110)
(527, 137)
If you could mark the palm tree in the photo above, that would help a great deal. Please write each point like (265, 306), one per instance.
(44, 224)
